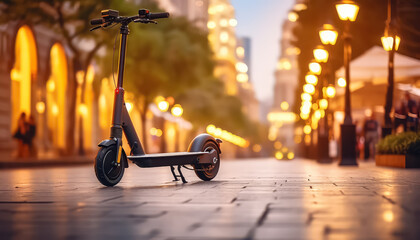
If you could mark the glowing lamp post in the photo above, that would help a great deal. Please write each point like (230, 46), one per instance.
(321, 54)
(328, 34)
(347, 11)
(390, 42)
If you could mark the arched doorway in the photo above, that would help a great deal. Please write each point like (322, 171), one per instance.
(56, 97)
(23, 73)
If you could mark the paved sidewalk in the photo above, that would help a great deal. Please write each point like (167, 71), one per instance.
(253, 199)
(7, 163)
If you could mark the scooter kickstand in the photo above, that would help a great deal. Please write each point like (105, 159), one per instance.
(180, 174)
(173, 174)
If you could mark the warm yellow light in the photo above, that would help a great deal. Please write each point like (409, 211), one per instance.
(315, 68)
(300, 7)
(297, 139)
(241, 67)
(307, 129)
(341, 82)
(323, 103)
(317, 114)
(388, 43)
(233, 22)
(163, 106)
(54, 109)
(330, 91)
(129, 106)
(210, 129)
(15, 75)
(177, 110)
(328, 35)
(242, 77)
(290, 155)
(256, 148)
(278, 145)
(40, 107)
(211, 25)
(315, 106)
(223, 22)
(224, 37)
(305, 110)
(279, 155)
(227, 136)
(83, 110)
(79, 77)
(223, 51)
(292, 51)
(284, 64)
(388, 216)
(90, 74)
(285, 117)
(311, 79)
(307, 139)
(284, 106)
(292, 16)
(320, 55)
(240, 52)
(314, 124)
(304, 116)
(50, 85)
(309, 88)
(347, 10)
(159, 133)
(306, 97)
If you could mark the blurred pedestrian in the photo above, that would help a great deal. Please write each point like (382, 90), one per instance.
(400, 116)
(412, 113)
(30, 135)
(371, 136)
(20, 135)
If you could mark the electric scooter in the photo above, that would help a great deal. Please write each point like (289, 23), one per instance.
(110, 162)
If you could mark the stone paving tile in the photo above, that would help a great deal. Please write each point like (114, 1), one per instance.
(266, 199)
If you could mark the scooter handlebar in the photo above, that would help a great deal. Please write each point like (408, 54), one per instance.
(96, 21)
(158, 15)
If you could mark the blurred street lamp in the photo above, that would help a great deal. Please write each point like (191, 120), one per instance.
(330, 91)
(347, 11)
(163, 105)
(341, 82)
(390, 42)
(321, 54)
(177, 110)
(328, 34)
(311, 79)
(309, 88)
(315, 68)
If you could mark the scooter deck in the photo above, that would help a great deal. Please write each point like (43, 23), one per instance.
(170, 159)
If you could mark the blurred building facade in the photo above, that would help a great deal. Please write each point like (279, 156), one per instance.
(282, 129)
(37, 72)
(195, 11)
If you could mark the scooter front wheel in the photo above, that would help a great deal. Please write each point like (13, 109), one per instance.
(108, 171)
(207, 172)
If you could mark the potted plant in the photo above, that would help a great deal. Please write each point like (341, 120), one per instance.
(399, 150)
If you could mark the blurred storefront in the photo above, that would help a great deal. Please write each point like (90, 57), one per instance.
(34, 79)
(369, 83)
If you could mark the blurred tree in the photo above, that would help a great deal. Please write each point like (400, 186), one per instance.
(70, 20)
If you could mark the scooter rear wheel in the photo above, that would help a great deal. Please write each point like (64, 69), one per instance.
(107, 170)
(207, 172)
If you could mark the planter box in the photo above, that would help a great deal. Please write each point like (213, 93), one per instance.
(400, 161)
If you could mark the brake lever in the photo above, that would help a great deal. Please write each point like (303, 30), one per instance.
(145, 21)
(94, 28)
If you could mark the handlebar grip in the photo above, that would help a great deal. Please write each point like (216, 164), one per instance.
(158, 15)
(96, 21)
